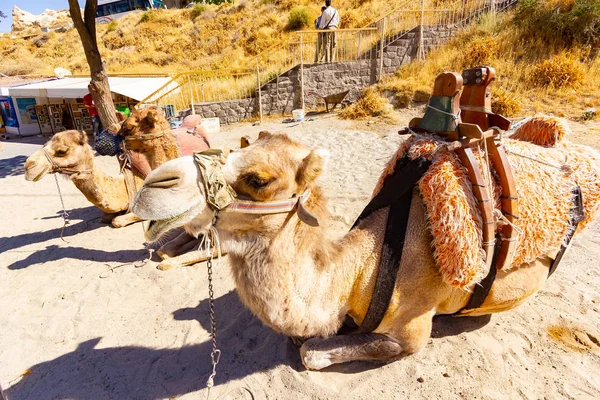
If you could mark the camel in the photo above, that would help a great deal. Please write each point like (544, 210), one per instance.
(74, 157)
(302, 281)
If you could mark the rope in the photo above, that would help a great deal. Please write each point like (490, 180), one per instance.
(564, 168)
(502, 218)
(64, 213)
(454, 116)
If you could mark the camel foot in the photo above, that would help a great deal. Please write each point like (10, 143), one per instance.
(165, 265)
(124, 220)
(319, 353)
(107, 218)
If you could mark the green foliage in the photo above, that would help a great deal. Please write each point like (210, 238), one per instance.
(198, 10)
(112, 26)
(300, 17)
(562, 22)
(216, 2)
(147, 17)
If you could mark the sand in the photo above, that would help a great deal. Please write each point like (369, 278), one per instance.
(72, 329)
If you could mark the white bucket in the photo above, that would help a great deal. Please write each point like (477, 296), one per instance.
(298, 115)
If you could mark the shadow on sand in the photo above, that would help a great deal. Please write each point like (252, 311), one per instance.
(89, 220)
(12, 166)
(135, 372)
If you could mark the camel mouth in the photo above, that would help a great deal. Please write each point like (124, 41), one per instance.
(156, 228)
(34, 178)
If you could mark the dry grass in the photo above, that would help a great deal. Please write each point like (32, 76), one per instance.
(171, 41)
(561, 70)
(566, 85)
(371, 103)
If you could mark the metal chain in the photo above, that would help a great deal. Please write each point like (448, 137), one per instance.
(215, 354)
(64, 214)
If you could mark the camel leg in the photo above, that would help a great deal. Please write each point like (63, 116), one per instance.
(185, 259)
(172, 248)
(408, 336)
(319, 353)
(125, 219)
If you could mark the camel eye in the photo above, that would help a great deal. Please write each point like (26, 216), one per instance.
(60, 152)
(256, 182)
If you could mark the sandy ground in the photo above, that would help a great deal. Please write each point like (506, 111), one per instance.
(72, 329)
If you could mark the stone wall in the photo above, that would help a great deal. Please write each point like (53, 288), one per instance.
(283, 94)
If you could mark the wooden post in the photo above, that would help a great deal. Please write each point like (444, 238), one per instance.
(421, 53)
(382, 45)
(191, 96)
(301, 73)
(260, 113)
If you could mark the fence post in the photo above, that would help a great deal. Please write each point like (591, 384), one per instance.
(191, 97)
(421, 53)
(359, 45)
(260, 113)
(301, 72)
(382, 45)
(493, 7)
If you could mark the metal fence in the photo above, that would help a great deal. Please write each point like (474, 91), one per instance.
(366, 43)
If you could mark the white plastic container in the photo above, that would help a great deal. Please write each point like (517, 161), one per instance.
(298, 115)
(211, 125)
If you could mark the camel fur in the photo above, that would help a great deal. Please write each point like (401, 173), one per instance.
(545, 178)
(301, 280)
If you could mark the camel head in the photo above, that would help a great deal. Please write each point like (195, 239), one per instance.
(144, 121)
(69, 151)
(273, 168)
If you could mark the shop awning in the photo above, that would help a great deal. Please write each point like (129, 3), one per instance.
(73, 88)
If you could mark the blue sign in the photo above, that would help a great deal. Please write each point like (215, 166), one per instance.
(8, 112)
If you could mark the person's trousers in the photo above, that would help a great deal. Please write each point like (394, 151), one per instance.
(320, 53)
(97, 125)
(330, 46)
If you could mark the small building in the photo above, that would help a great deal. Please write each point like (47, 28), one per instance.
(9, 116)
(39, 107)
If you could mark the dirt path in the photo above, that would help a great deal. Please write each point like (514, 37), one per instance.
(71, 329)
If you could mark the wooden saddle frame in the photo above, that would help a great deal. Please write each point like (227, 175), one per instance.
(471, 122)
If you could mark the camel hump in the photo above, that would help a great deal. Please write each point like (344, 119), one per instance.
(543, 130)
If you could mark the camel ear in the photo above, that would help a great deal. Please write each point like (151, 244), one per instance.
(312, 167)
(152, 117)
(263, 134)
(83, 138)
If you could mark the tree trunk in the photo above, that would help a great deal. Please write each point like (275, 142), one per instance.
(98, 87)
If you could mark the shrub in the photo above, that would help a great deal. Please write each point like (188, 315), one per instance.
(561, 22)
(479, 51)
(112, 26)
(198, 10)
(147, 17)
(505, 103)
(559, 71)
(371, 104)
(300, 17)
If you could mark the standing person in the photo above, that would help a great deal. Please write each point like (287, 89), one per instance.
(88, 101)
(67, 120)
(330, 20)
(320, 53)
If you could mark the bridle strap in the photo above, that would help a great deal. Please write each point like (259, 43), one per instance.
(56, 168)
(268, 207)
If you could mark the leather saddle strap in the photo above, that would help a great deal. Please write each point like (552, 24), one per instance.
(577, 215)
(397, 194)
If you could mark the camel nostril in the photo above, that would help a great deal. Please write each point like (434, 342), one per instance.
(30, 164)
(163, 183)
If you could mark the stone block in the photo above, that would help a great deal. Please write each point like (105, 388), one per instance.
(207, 114)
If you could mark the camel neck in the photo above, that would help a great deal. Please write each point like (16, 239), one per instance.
(300, 280)
(106, 192)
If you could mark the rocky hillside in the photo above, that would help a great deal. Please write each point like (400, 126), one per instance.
(24, 21)
(206, 36)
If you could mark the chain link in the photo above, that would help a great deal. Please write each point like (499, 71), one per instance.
(215, 354)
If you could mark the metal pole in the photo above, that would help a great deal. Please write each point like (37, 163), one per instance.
(259, 91)
(382, 45)
(301, 73)
(493, 7)
(359, 45)
(421, 54)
